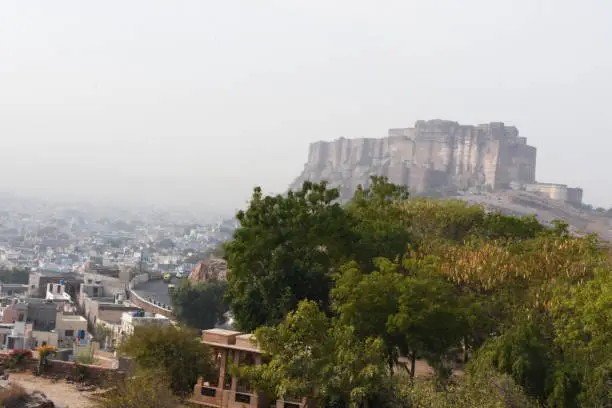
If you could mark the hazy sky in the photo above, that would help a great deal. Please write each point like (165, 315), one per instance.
(179, 101)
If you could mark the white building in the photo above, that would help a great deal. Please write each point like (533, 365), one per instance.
(130, 320)
(70, 328)
(57, 291)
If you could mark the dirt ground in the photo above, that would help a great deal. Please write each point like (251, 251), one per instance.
(62, 394)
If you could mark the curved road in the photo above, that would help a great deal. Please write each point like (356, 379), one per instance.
(156, 289)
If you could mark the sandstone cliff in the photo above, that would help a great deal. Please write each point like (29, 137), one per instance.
(431, 156)
(213, 268)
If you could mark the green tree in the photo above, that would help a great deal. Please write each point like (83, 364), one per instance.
(582, 316)
(200, 306)
(381, 226)
(435, 220)
(524, 352)
(483, 390)
(368, 301)
(284, 251)
(176, 353)
(431, 321)
(499, 226)
(311, 355)
(101, 333)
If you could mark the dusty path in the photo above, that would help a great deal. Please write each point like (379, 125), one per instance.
(62, 394)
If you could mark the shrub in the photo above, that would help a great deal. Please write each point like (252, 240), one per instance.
(19, 357)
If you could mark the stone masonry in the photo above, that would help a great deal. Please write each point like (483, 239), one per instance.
(432, 156)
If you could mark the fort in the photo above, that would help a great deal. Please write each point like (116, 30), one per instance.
(434, 156)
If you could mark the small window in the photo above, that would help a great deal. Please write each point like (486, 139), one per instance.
(69, 333)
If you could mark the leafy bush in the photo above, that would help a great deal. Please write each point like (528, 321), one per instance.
(149, 390)
(19, 357)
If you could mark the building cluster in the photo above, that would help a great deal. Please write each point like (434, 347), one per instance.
(84, 270)
(57, 238)
(71, 311)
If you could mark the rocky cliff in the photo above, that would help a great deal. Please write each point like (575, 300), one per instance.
(432, 156)
(213, 268)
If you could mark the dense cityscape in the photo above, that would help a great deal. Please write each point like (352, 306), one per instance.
(50, 237)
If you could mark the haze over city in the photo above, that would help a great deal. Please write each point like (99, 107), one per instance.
(144, 103)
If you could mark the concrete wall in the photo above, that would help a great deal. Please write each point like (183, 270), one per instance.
(10, 289)
(37, 284)
(143, 303)
(112, 285)
(150, 307)
(558, 192)
(91, 374)
(49, 338)
(69, 323)
(103, 309)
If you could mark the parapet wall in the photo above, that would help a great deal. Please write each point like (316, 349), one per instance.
(67, 370)
(150, 307)
(558, 192)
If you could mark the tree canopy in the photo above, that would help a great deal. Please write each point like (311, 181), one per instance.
(200, 305)
(283, 252)
(174, 353)
(340, 295)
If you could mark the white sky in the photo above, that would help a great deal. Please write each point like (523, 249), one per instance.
(198, 100)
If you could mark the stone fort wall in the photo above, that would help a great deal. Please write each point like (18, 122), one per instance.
(432, 154)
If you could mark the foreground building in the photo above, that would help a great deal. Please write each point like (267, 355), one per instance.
(224, 390)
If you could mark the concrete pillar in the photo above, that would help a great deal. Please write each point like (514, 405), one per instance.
(235, 378)
(223, 363)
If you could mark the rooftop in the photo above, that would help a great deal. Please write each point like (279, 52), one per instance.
(223, 332)
(74, 318)
(230, 339)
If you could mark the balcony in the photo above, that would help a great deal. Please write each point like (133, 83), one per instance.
(243, 398)
(290, 403)
(207, 395)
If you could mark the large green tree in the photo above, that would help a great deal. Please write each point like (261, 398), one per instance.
(176, 353)
(426, 279)
(382, 228)
(582, 316)
(368, 301)
(200, 305)
(314, 356)
(284, 251)
(431, 321)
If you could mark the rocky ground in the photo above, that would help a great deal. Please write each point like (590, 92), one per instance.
(62, 394)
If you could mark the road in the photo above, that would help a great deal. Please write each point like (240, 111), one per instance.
(156, 289)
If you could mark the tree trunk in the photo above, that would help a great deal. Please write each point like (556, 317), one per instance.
(465, 351)
(412, 364)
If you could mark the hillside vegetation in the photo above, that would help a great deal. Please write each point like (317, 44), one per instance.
(347, 301)
(340, 297)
